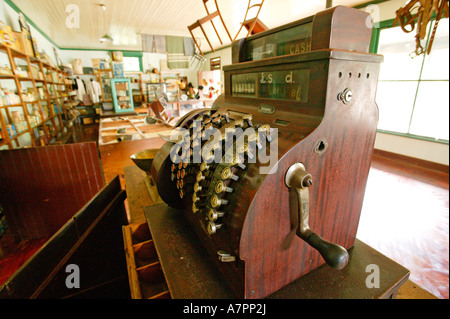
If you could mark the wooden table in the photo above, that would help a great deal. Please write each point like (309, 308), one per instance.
(190, 274)
(131, 127)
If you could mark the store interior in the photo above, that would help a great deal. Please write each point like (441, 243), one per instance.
(92, 90)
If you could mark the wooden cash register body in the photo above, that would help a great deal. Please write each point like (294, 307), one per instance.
(332, 137)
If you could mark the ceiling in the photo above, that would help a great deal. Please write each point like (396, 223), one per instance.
(126, 20)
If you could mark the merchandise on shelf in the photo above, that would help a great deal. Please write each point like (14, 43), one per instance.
(8, 97)
(5, 70)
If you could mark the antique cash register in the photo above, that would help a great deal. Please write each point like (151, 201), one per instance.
(272, 178)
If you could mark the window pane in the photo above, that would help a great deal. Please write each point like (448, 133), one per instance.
(395, 102)
(431, 110)
(396, 47)
(436, 64)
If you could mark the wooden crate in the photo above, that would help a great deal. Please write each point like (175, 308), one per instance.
(145, 275)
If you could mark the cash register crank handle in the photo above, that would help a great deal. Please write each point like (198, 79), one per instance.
(298, 179)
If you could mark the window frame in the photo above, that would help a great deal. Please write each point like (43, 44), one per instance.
(374, 44)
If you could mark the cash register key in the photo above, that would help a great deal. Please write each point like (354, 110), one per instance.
(197, 187)
(207, 113)
(213, 227)
(172, 177)
(224, 136)
(236, 161)
(248, 118)
(208, 156)
(243, 148)
(217, 120)
(254, 138)
(204, 166)
(200, 177)
(239, 123)
(266, 129)
(213, 215)
(226, 117)
(220, 188)
(216, 202)
(227, 174)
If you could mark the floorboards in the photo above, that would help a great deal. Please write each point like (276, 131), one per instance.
(405, 216)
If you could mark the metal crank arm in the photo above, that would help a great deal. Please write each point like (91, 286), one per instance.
(299, 180)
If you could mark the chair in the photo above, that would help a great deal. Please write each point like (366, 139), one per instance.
(209, 18)
(197, 58)
(253, 25)
(159, 108)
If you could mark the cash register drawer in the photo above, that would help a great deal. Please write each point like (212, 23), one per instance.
(145, 275)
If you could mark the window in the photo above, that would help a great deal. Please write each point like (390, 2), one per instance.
(214, 63)
(131, 64)
(413, 93)
(132, 61)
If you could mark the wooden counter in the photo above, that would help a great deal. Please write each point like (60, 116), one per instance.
(190, 274)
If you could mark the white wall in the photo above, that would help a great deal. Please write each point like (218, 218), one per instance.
(67, 56)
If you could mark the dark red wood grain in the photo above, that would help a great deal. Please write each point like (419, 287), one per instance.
(41, 188)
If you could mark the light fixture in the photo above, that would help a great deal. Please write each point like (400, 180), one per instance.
(106, 38)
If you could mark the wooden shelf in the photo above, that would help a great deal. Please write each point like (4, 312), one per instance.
(53, 125)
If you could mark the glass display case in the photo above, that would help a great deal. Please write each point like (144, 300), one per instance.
(104, 77)
(122, 95)
(155, 91)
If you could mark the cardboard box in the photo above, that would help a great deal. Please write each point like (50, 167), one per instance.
(24, 43)
(87, 120)
(6, 35)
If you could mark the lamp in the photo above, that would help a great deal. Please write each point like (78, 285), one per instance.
(106, 38)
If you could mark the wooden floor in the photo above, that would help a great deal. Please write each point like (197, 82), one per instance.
(404, 216)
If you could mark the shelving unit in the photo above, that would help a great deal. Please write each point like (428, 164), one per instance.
(32, 110)
(172, 88)
(155, 91)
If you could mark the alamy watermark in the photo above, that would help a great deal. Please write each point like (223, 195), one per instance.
(374, 15)
(73, 279)
(373, 279)
(73, 19)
